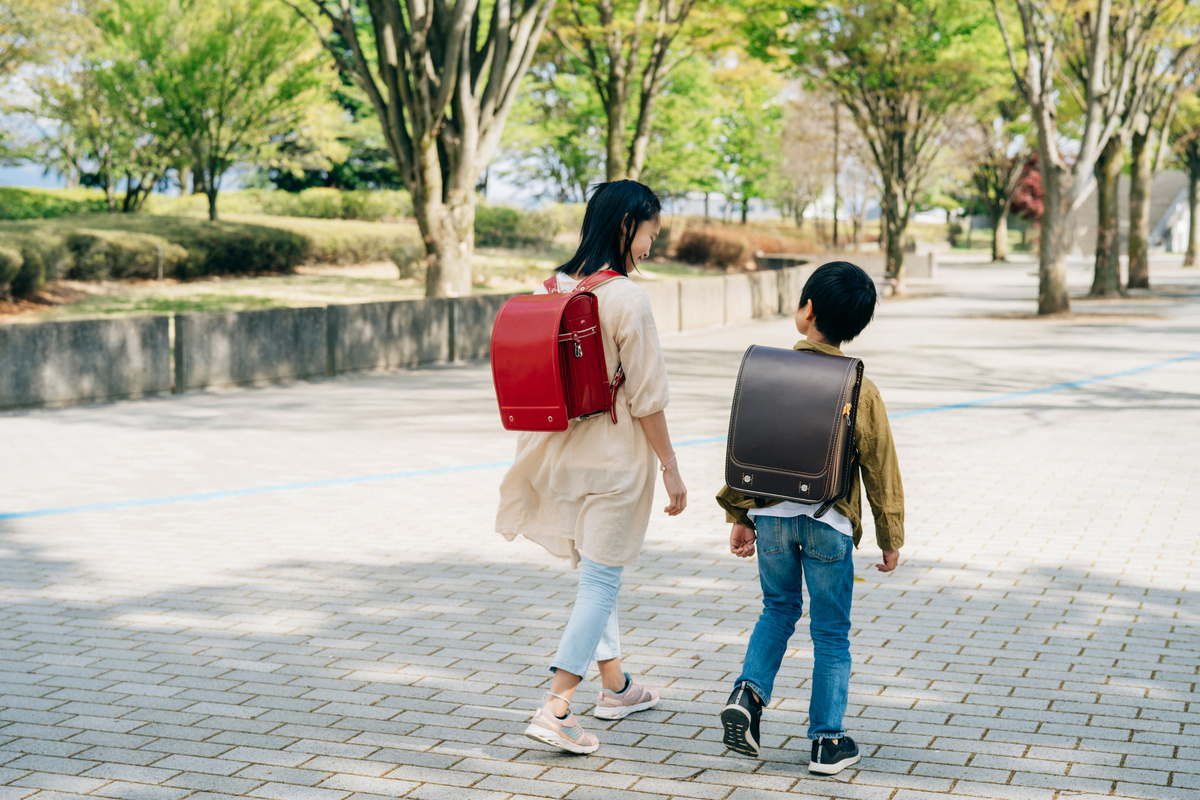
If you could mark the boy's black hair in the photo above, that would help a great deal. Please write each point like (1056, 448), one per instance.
(606, 240)
(843, 298)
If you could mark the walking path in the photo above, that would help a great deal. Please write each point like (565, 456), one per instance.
(294, 592)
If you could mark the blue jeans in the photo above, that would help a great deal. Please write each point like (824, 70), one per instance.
(793, 551)
(592, 633)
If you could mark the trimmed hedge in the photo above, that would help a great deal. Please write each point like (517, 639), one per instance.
(713, 246)
(102, 246)
(504, 226)
(334, 204)
(369, 206)
(343, 241)
(730, 247)
(29, 261)
(10, 265)
(110, 246)
(101, 255)
(409, 258)
(16, 204)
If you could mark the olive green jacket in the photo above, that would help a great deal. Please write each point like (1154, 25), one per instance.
(876, 464)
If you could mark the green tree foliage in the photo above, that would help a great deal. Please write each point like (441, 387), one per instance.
(717, 128)
(903, 70)
(998, 145)
(555, 134)
(750, 132)
(34, 31)
(442, 79)
(1185, 132)
(682, 154)
(1076, 77)
(97, 136)
(338, 145)
(219, 77)
(626, 48)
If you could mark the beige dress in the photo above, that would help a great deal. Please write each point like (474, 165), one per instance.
(589, 489)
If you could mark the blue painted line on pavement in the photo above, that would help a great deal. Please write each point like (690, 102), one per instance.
(1058, 387)
(417, 473)
(281, 487)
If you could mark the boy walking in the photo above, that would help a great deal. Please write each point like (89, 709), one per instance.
(796, 549)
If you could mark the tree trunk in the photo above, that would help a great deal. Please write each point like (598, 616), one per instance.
(1053, 297)
(210, 191)
(745, 208)
(446, 220)
(894, 225)
(706, 205)
(1141, 178)
(999, 237)
(1107, 279)
(449, 232)
(131, 192)
(185, 176)
(614, 160)
(1193, 247)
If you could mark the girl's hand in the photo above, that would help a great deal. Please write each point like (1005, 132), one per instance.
(675, 489)
(741, 540)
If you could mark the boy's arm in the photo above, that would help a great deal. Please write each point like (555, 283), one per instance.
(881, 475)
(736, 505)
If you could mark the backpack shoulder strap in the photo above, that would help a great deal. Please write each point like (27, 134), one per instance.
(585, 285)
(594, 280)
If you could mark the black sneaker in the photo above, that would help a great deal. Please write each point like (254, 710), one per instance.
(831, 756)
(740, 718)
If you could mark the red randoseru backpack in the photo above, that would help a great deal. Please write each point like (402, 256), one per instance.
(548, 358)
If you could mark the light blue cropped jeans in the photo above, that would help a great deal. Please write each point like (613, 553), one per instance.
(592, 632)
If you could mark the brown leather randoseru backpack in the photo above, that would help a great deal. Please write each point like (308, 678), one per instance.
(791, 428)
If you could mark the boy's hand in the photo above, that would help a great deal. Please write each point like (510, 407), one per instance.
(890, 559)
(741, 540)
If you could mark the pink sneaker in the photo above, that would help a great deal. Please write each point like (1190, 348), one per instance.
(615, 705)
(565, 734)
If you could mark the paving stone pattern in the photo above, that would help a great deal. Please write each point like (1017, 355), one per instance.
(374, 638)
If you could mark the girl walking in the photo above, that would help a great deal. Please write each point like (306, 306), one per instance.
(586, 493)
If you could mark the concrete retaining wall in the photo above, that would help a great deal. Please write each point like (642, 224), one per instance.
(764, 293)
(249, 347)
(70, 362)
(60, 363)
(473, 318)
(920, 265)
(664, 300)
(701, 302)
(406, 333)
(739, 299)
(791, 284)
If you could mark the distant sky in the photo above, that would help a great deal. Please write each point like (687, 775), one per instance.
(28, 175)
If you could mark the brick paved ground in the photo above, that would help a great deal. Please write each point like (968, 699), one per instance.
(1041, 638)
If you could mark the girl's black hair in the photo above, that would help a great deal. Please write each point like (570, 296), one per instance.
(610, 223)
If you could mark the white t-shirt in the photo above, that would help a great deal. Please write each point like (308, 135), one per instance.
(790, 509)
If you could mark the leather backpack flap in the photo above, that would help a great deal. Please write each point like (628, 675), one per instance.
(791, 427)
(526, 363)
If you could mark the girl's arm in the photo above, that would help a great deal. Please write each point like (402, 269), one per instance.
(655, 427)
